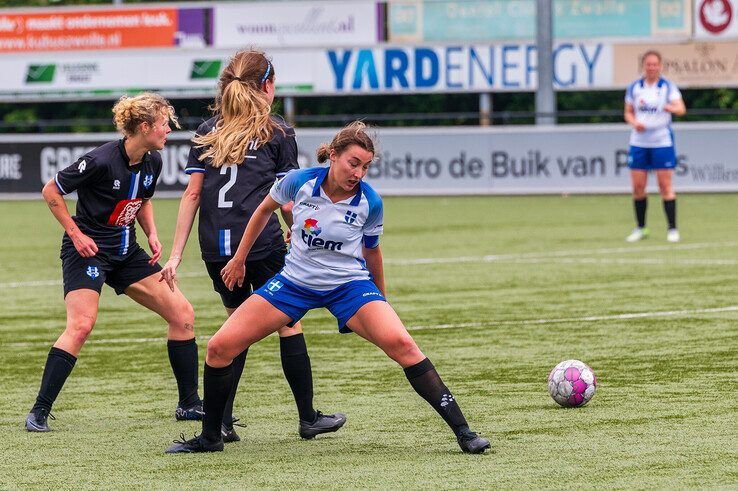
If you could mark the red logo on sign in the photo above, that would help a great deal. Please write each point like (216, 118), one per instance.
(125, 212)
(715, 15)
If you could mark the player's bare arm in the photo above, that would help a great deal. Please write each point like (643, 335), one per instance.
(630, 118)
(677, 107)
(374, 264)
(145, 218)
(84, 244)
(234, 272)
(188, 207)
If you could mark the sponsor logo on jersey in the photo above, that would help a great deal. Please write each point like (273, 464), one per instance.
(125, 212)
(92, 272)
(350, 217)
(311, 225)
(148, 180)
(644, 107)
(116, 184)
(309, 205)
(309, 234)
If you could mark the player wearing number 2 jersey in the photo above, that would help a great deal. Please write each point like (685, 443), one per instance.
(236, 157)
(335, 262)
(115, 183)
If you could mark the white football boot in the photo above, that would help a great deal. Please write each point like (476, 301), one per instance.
(637, 234)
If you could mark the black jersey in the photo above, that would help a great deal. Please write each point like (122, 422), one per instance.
(110, 193)
(231, 194)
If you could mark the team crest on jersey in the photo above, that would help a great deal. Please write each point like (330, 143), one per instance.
(148, 180)
(92, 272)
(350, 217)
(125, 212)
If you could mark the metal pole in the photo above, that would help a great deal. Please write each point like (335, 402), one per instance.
(485, 108)
(289, 110)
(545, 97)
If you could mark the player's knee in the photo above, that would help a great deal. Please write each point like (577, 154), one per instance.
(79, 327)
(187, 313)
(404, 347)
(217, 350)
(183, 316)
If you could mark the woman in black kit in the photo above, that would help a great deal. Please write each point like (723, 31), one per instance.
(235, 158)
(115, 183)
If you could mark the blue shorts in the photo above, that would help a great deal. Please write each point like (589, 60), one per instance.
(343, 302)
(641, 158)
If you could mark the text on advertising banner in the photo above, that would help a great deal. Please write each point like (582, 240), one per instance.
(296, 24)
(96, 29)
(428, 161)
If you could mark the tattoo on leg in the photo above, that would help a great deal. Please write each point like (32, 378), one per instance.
(53, 203)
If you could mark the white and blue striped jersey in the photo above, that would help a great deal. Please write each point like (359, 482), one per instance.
(648, 103)
(327, 237)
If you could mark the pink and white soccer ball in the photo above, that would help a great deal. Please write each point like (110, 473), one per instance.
(572, 383)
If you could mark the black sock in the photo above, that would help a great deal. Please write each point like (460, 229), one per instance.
(183, 358)
(670, 210)
(59, 365)
(640, 211)
(299, 374)
(428, 384)
(217, 384)
(238, 363)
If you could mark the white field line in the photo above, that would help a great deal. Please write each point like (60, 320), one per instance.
(523, 322)
(523, 257)
(555, 254)
(646, 261)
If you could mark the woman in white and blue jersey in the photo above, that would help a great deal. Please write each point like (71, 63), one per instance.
(649, 104)
(335, 262)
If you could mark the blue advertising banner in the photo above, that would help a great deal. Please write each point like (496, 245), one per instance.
(494, 20)
(461, 68)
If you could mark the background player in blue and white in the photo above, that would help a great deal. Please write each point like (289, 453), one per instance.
(115, 183)
(335, 262)
(649, 104)
(235, 158)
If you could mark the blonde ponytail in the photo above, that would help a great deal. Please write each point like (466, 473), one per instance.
(243, 109)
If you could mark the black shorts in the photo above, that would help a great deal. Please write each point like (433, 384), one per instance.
(257, 273)
(119, 272)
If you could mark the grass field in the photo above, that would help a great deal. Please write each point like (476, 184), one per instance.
(496, 290)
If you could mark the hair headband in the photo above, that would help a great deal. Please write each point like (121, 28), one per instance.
(266, 74)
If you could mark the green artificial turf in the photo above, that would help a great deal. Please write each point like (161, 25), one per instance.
(495, 290)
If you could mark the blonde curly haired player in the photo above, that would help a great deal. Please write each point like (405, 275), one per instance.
(115, 183)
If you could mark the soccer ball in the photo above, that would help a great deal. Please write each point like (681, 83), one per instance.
(572, 383)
